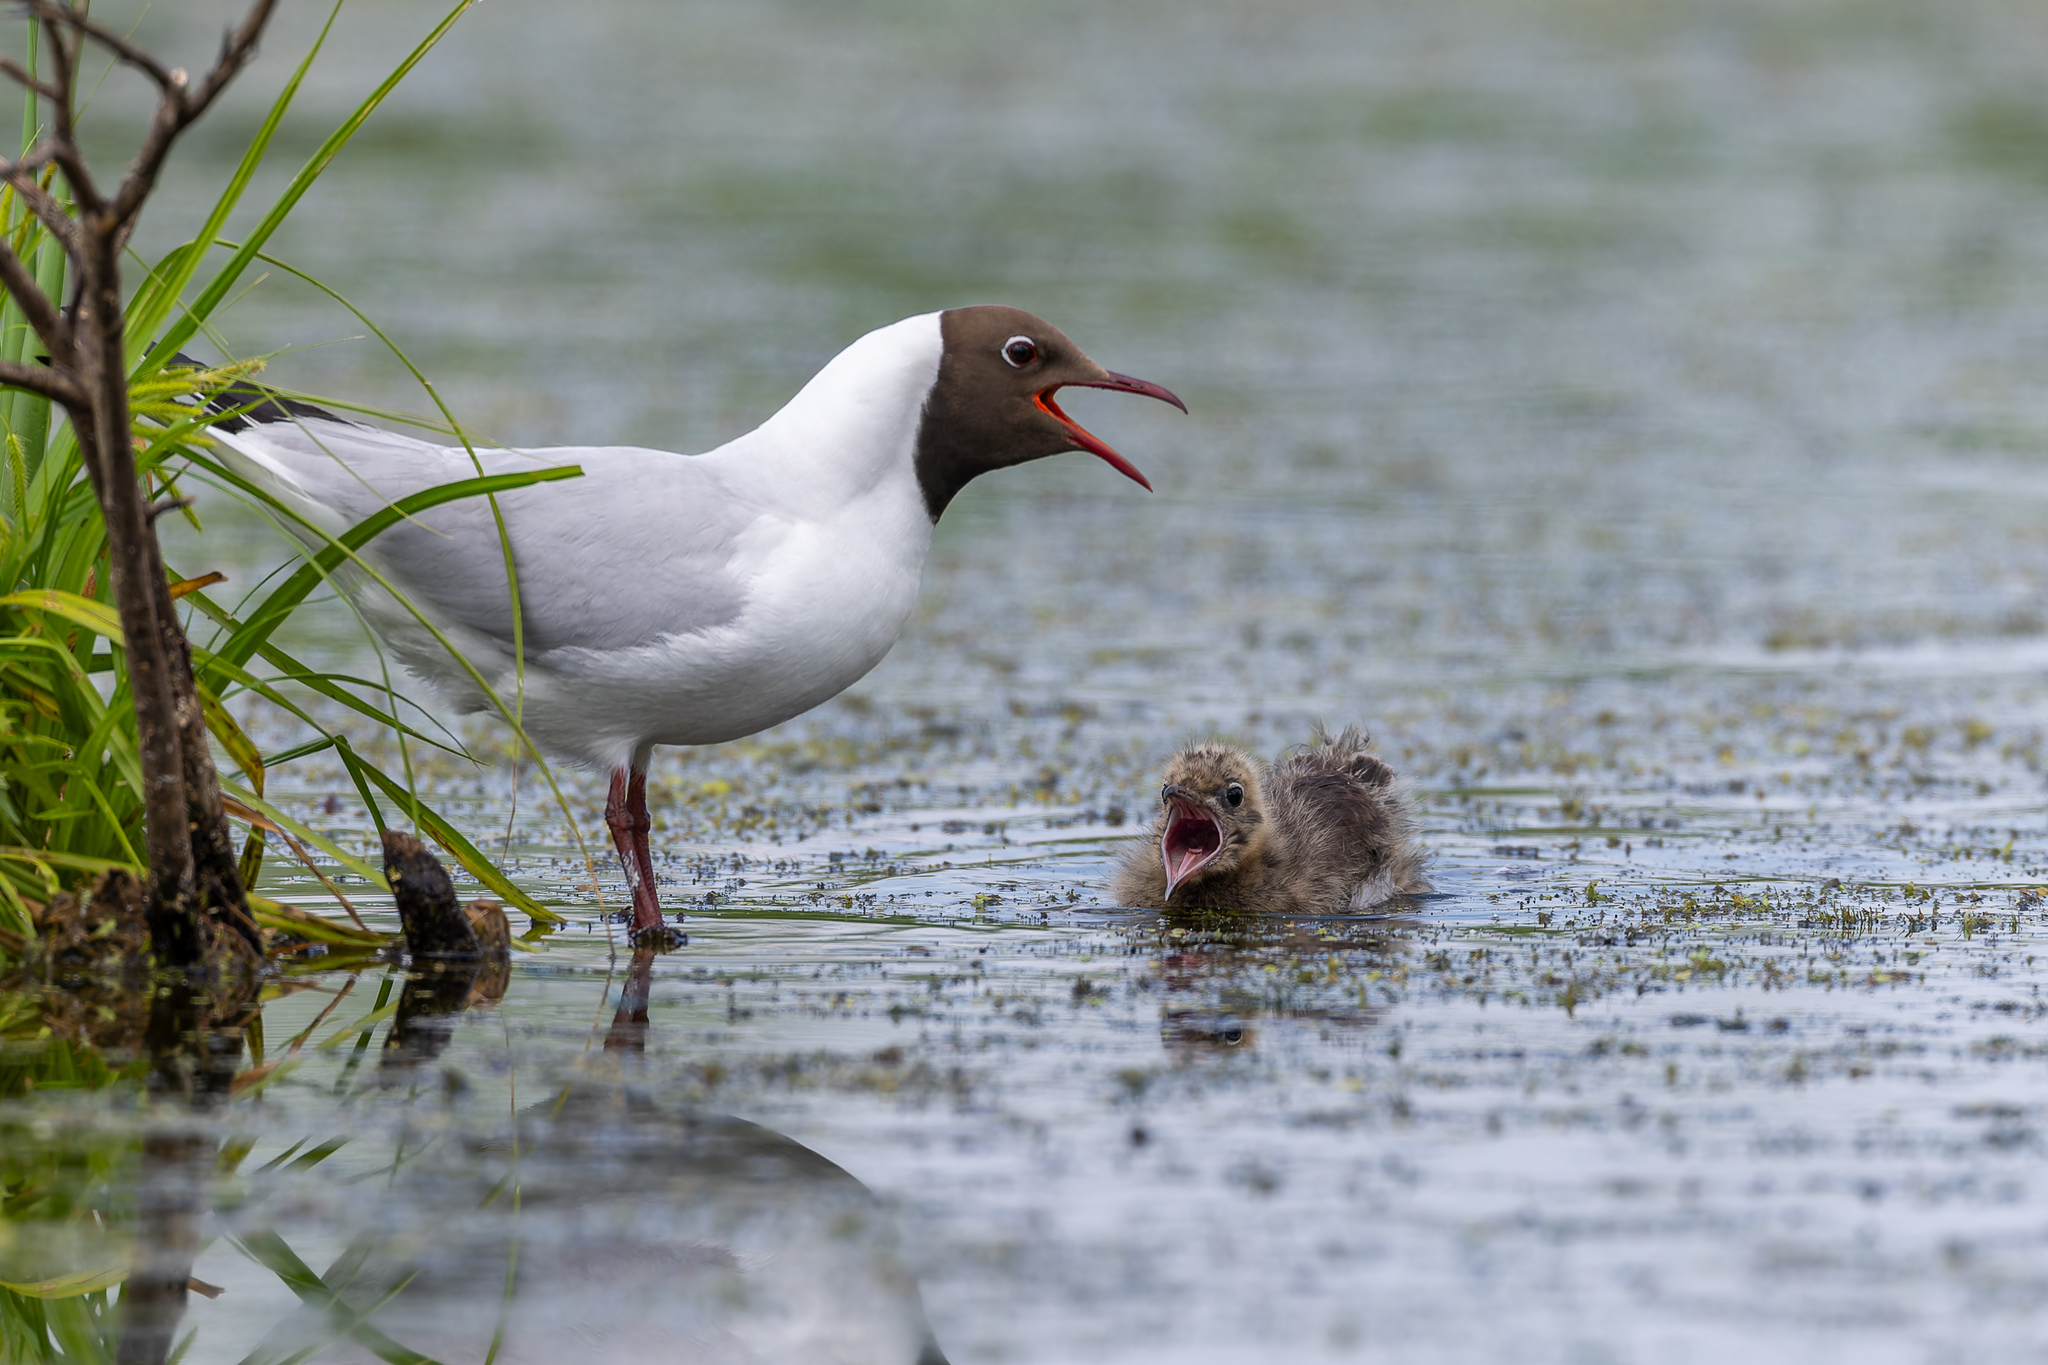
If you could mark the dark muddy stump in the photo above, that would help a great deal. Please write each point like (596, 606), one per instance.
(435, 925)
(460, 954)
(92, 969)
(660, 938)
(493, 930)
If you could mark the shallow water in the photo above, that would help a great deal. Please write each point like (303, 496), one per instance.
(1629, 412)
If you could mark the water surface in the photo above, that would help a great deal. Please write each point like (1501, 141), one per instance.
(1631, 413)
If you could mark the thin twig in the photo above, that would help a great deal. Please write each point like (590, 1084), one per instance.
(35, 305)
(236, 48)
(334, 890)
(24, 175)
(339, 996)
(124, 51)
(179, 103)
(63, 138)
(19, 75)
(157, 509)
(241, 811)
(54, 385)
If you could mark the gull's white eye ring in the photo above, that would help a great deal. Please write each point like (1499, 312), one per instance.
(1020, 351)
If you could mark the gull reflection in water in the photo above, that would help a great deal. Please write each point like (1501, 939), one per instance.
(608, 1223)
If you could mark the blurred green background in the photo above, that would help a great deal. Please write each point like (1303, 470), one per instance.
(1515, 333)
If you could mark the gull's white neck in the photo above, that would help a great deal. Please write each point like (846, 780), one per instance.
(830, 559)
(850, 435)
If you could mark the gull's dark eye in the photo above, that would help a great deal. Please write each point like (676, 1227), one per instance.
(1233, 795)
(1020, 351)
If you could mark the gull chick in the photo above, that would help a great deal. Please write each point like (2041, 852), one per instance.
(681, 599)
(1324, 831)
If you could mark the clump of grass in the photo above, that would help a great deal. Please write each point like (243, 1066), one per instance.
(71, 802)
(71, 793)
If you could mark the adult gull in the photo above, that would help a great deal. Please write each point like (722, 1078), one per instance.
(685, 599)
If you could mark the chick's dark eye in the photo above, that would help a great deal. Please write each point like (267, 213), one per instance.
(1234, 794)
(1020, 351)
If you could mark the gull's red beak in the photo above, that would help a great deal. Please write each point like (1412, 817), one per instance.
(1121, 383)
(1193, 836)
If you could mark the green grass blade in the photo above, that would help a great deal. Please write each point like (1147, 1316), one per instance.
(95, 616)
(77, 862)
(327, 684)
(300, 923)
(180, 331)
(30, 418)
(306, 835)
(356, 774)
(153, 300)
(14, 328)
(461, 849)
(266, 618)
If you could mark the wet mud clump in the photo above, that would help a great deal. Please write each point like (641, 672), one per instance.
(103, 932)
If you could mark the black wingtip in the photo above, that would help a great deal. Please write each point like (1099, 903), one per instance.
(243, 405)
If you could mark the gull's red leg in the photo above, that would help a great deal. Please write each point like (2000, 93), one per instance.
(629, 835)
(646, 906)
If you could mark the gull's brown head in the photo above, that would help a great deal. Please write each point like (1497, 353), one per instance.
(993, 407)
(1213, 816)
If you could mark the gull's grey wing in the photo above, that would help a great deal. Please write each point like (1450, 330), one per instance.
(638, 548)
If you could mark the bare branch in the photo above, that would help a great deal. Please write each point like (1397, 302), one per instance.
(32, 162)
(35, 305)
(63, 138)
(157, 509)
(177, 110)
(192, 869)
(17, 73)
(25, 174)
(41, 202)
(124, 51)
(237, 46)
(58, 388)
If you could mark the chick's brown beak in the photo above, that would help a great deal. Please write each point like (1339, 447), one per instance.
(1193, 836)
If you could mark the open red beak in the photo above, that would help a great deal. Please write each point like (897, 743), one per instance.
(1122, 383)
(1193, 836)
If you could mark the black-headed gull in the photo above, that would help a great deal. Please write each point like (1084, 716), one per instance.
(688, 599)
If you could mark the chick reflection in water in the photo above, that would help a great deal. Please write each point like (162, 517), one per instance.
(1323, 831)
(633, 1227)
(1227, 983)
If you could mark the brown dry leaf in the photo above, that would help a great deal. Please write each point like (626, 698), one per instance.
(190, 585)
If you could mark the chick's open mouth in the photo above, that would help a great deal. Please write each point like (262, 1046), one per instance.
(1192, 838)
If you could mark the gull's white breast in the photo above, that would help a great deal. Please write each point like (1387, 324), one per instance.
(666, 599)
